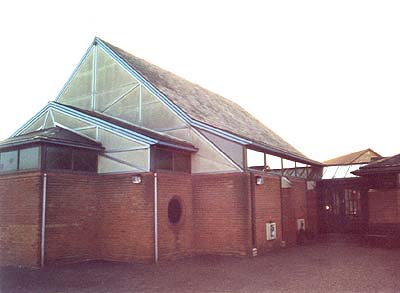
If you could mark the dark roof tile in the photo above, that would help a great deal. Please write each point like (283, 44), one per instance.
(205, 106)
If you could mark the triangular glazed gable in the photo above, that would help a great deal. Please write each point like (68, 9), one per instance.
(101, 84)
(114, 91)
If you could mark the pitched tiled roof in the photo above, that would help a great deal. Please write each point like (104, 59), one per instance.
(360, 157)
(385, 165)
(205, 106)
(54, 135)
(163, 139)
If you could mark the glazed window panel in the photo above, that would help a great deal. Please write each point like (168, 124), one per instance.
(37, 125)
(29, 158)
(127, 108)
(78, 92)
(164, 160)
(352, 202)
(172, 161)
(69, 121)
(156, 116)
(181, 162)
(58, 158)
(112, 80)
(85, 161)
(9, 161)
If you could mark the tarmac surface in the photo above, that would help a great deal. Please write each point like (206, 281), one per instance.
(332, 265)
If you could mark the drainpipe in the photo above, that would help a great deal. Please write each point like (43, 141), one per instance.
(253, 214)
(155, 218)
(43, 220)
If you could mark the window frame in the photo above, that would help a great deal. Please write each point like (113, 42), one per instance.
(72, 151)
(18, 150)
(175, 153)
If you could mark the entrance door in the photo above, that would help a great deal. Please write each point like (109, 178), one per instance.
(343, 210)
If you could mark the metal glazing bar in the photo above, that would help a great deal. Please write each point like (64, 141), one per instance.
(120, 97)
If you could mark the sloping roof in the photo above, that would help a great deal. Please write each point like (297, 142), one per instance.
(360, 157)
(205, 106)
(54, 135)
(385, 165)
(163, 139)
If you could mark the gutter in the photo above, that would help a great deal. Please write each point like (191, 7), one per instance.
(43, 230)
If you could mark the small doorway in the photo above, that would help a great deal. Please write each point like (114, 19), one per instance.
(343, 210)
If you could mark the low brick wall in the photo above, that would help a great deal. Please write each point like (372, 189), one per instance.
(20, 219)
(384, 206)
(268, 209)
(175, 239)
(221, 209)
(108, 217)
(71, 218)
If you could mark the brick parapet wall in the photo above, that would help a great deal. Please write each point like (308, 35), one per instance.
(222, 214)
(175, 240)
(109, 217)
(126, 218)
(71, 218)
(268, 209)
(384, 206)
(297, 205)
(20, 219)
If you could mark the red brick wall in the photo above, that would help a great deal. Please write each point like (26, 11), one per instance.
(108, 217)
(175, 240)
(126, 218)
(268, 209)
(221, 210)
(312, 211)
(384, 206)
(71, 218)
(99, 217)
(20, 219)
(294, 203)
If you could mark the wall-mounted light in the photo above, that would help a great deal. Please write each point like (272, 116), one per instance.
(259, 180)
(136, 179)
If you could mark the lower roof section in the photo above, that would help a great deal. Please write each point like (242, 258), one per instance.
(54, 135)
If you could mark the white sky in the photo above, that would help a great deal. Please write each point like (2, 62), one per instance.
(324, 75)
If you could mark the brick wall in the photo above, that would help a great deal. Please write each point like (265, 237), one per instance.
(108, 217)
(312, 211)
(175, 240)
(20, 219)
(99, 217)
(71, 218)
(126, 218)
(222, 214)
(268, 209)
(294, 203)
(384, 206)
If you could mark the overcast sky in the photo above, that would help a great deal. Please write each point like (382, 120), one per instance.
(324, 75)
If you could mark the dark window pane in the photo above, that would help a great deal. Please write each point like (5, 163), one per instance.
(85, 161)
(164, 160)
(59, 158)
(181, 162)
(8, 161)
(29, 158)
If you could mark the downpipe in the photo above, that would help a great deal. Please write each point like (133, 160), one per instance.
(155, 218)
(43, 230)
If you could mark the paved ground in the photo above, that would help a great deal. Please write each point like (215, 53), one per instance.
(320, 267)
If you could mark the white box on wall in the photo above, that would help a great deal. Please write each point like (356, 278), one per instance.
(270, 231)
(301, 224)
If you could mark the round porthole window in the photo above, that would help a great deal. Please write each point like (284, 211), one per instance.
(174, 211)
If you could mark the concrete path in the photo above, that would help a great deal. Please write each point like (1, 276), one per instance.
(332, 265)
